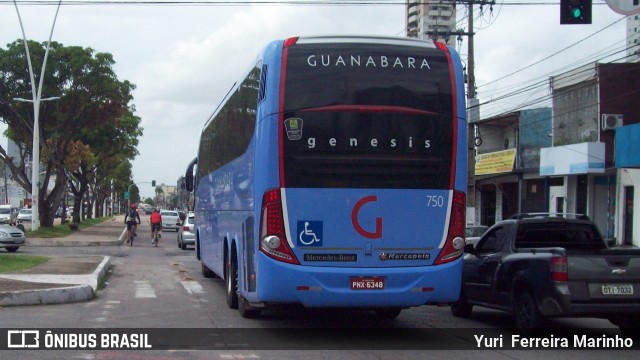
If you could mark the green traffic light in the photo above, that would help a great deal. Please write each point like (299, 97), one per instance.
(576, 13)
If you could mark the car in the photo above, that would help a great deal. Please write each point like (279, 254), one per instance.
(538, 266)
(473, 233)
(7, 214)
(170, 220)
(24, 215)
(186, 236)
(11, 238)
(58, 213)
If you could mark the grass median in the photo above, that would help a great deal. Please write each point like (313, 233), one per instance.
(62, 230)
(19, 262)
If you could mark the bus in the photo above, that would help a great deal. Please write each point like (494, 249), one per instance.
(334, 174)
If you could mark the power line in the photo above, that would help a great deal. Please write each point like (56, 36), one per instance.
(583, 85)
(554, 54)
(263, 2)
(539, 84)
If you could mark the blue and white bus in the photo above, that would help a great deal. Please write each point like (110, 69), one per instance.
(334, 175)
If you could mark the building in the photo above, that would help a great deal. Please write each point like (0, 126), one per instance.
(583, 157)
(184, 198)
(507, 163)
(633, 38)
(590, 105)
(166, 198)
(431, 19)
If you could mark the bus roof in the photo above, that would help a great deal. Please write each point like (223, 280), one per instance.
(391, 40)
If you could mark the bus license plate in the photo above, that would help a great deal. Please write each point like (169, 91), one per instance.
(367, 283)
(618, 289)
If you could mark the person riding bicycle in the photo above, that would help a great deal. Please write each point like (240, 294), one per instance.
(130, 219)
(156, 221)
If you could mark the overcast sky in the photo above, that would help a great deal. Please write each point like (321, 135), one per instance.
(183, 59)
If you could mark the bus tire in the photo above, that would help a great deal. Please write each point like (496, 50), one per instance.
(232, 283)
(198, 248)
(245, 309)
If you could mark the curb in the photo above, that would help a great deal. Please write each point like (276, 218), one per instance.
(75, 293)
(47, 296)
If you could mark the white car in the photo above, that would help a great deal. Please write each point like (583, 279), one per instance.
(24, 215)
(170, 220)
(7, 214)
(473, 234)
(186, 236)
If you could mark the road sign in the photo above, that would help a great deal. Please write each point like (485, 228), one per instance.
(624, 7)
(126, 195)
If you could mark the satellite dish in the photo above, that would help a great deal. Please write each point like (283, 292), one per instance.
(624, 7)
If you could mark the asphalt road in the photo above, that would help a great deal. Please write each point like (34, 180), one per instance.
(161, 292)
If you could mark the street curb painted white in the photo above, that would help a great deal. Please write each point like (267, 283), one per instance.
(83, 289)
(47, 296)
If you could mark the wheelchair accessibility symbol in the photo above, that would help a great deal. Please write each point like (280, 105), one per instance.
(310, 233)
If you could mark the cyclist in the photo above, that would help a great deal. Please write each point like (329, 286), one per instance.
(130, 220)
(156, 222)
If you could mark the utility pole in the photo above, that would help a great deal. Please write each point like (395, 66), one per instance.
(473, 115)
(473, 109)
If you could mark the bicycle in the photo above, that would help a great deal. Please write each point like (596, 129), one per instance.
(155, 235)
(130, 233)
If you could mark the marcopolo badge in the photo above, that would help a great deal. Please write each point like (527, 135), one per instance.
(293, 126)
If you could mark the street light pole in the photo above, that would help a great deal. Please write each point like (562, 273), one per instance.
(35, 165)
(35, 159)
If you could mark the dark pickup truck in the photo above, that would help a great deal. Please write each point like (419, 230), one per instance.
(539, 266)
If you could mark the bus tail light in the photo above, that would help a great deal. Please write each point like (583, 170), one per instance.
(273, 238)
(559, 269)
(454, 245)
(291, 41)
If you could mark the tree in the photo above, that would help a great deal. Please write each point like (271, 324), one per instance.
(92, 99)
(109, 141)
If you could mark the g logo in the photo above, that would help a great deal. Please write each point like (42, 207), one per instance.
(377, 234)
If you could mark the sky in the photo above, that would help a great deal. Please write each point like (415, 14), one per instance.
(183, 59)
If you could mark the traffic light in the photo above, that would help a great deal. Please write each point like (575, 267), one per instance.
(153, 183)
(575, 12)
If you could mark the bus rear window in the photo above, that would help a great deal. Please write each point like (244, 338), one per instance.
(363, 117)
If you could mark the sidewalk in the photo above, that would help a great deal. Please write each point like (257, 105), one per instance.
(63, 279)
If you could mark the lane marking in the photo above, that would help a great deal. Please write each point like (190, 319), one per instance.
(192, 287)
(144, 290)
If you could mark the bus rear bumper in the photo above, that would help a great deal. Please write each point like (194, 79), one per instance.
(332, 287)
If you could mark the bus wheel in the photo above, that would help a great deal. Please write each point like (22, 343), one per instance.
(246, 311)
(232, 283)
(388, 313)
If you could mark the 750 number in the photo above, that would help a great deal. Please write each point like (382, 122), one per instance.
(435, 201)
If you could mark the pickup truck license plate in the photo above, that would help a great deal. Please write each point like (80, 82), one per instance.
(367, 283)
(617, 289)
